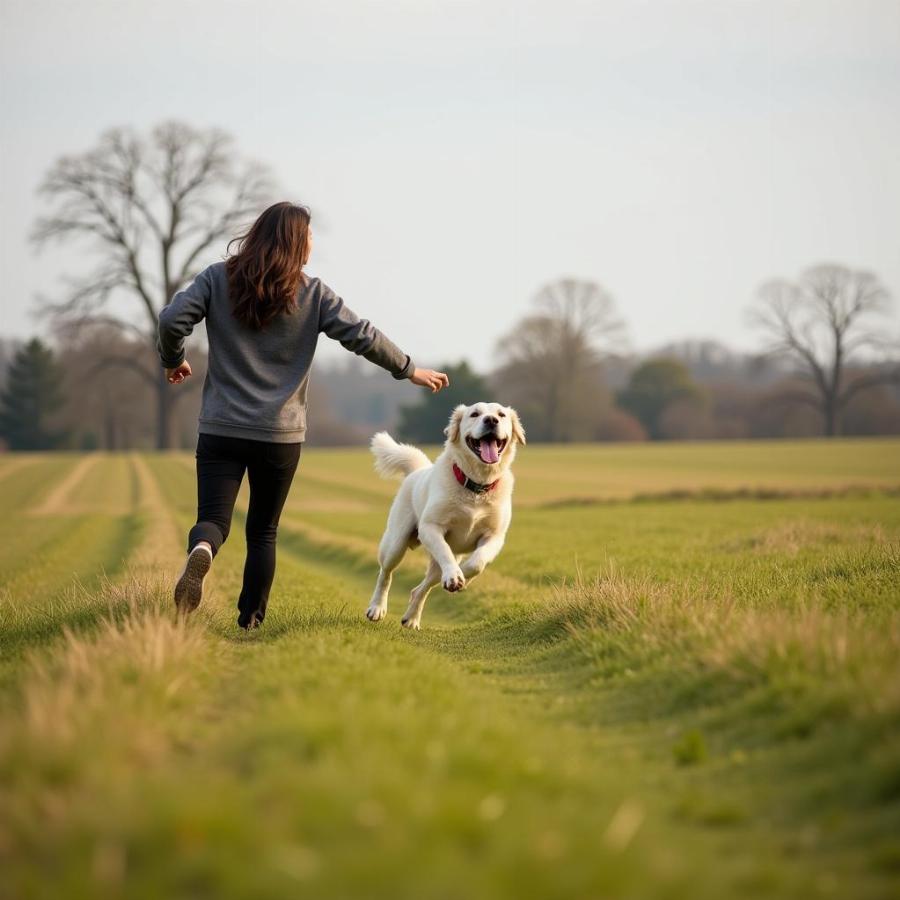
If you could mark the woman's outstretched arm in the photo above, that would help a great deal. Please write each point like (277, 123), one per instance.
(360, 336)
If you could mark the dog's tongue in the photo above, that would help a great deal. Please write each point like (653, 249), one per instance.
(489, 451)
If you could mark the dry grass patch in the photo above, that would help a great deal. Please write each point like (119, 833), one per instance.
(792, 537)
(96, 707)
(809, 666)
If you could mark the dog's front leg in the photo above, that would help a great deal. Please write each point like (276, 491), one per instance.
(433, 541)
(484, 554)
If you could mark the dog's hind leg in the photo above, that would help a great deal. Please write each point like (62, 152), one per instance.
(419, 594)
(391, 551)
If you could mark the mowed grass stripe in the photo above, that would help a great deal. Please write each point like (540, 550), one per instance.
(57, 500)
(111, 487)
(81, 552)
(23, 539)
(38, 602)
(163, 543)
(27, 530)
(32, 483)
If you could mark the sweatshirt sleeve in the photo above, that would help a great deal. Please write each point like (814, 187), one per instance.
(177, 320)
(360, 336)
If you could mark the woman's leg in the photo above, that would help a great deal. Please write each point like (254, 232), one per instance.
(270, 474)
(221, 462)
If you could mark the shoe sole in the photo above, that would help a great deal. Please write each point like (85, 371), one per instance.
(189, 590)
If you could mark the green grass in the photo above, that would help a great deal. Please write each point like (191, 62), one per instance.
(681, 678)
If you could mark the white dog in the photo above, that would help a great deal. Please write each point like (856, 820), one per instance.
(460, 504)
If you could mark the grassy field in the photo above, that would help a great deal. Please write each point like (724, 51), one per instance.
(681, 678)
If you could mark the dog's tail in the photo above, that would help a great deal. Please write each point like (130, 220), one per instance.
(393, 459)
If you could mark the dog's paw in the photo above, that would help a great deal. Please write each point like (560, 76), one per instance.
(454, 581)
(374, 613)
(410, 623)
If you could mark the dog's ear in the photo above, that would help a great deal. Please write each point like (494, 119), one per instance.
(518, 429)
(452, 429)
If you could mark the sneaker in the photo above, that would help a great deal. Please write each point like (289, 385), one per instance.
(189, 587)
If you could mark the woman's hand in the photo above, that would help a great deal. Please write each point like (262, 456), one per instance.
(430, 378)
(179, 373)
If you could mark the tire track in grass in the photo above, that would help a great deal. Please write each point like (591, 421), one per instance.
(76, 544)
(121, 615)
(40, 601)
(161, 545)
(57, 501)
(139, 547)
(22, 537)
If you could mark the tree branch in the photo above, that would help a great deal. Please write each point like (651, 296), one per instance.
(869, 380)
(252, 190)
(128, 362)
(795, 396)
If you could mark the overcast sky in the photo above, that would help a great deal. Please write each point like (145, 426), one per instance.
(457, 155)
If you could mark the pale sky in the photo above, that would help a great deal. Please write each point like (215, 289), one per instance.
(457, 155)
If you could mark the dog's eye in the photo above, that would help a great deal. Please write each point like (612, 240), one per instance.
(475, 414)
(501, 414)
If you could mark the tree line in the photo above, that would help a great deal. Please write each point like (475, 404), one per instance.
(149, 208)
(826, 365)
(561, 366)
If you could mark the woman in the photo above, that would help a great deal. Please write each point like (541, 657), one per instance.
(263, 318)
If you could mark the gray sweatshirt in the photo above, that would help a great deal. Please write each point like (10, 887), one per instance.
(257, 381)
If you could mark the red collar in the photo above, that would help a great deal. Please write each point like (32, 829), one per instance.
(473, 486)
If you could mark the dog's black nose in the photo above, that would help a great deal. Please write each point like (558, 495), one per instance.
(491, 420)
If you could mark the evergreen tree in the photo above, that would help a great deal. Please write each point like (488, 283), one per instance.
(653, 387)
(32, 393)
(424, 422)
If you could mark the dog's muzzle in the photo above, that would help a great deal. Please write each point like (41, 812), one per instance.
(487, 447)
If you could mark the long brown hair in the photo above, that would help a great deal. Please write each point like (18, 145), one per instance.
(266, 272)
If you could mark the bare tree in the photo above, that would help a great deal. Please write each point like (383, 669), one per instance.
(551, 361)
(151, 209)
(822, 322)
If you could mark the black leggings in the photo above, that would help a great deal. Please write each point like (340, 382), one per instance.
(270, 466)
